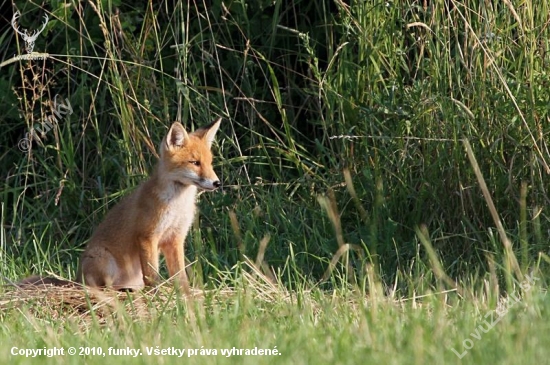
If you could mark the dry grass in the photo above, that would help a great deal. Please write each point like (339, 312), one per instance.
(81, 305)
(86, 306)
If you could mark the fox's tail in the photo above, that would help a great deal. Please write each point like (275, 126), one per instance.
(40, 281)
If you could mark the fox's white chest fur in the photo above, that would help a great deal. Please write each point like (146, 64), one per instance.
(179, 210)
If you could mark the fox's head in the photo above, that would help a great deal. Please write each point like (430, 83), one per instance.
(186, 157)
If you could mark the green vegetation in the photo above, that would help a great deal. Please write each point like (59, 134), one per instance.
(384, 167)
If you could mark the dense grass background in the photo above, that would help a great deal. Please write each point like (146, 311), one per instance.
(342, 147)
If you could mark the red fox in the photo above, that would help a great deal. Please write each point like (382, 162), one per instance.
(123, 252)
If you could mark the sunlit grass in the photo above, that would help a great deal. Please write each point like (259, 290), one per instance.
(384, 169)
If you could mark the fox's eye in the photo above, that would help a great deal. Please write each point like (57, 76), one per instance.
(196, 163)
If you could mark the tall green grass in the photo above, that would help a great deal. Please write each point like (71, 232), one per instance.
(342, 153)
(386, 91)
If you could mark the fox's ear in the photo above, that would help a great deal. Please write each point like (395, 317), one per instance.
(176, 136)
(209, 132)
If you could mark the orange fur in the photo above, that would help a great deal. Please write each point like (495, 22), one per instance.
(123, 252)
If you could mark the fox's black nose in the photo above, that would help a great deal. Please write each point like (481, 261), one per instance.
(217, 184)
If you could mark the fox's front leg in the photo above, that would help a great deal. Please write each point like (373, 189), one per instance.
(173, 251)
(149, 257)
